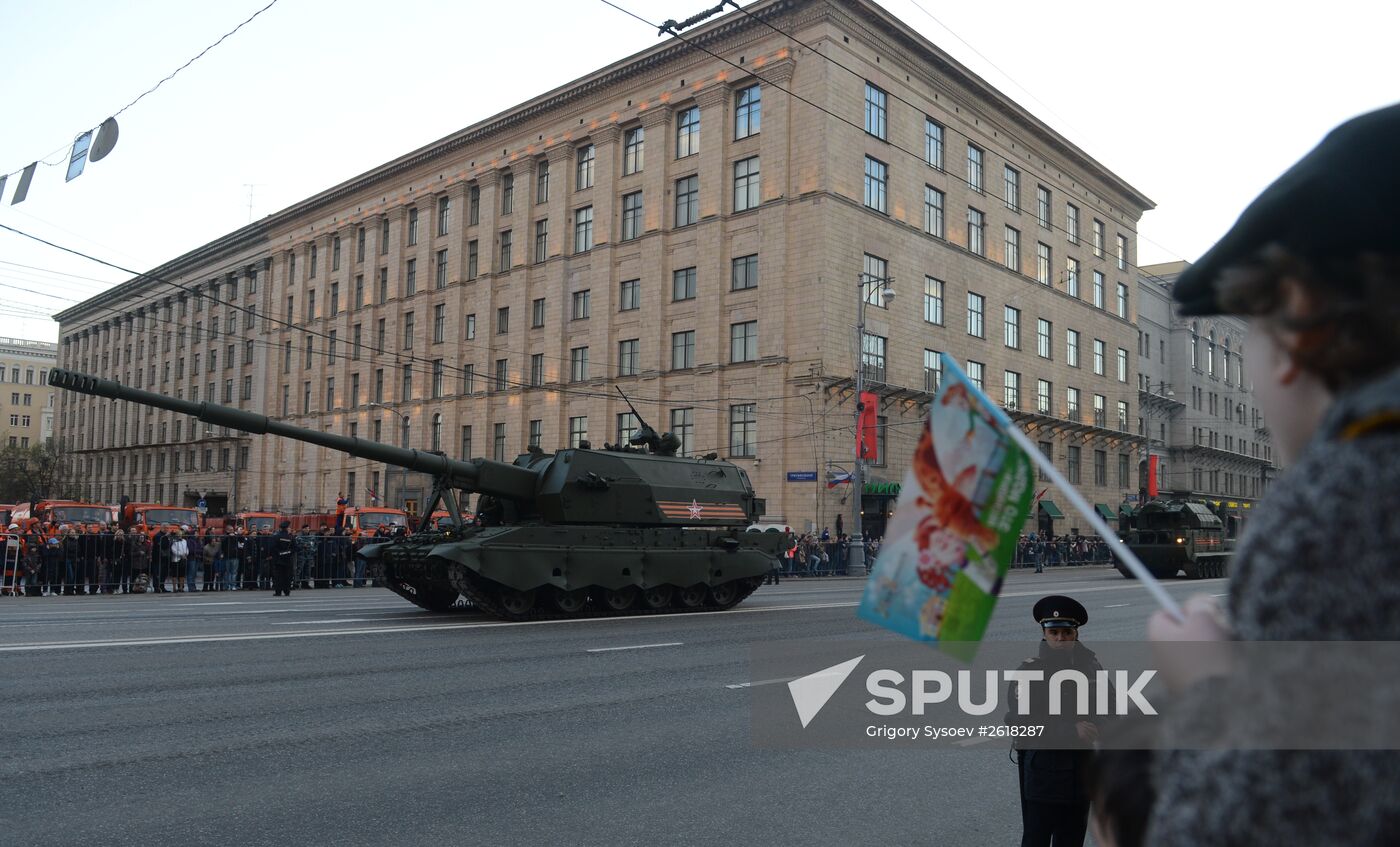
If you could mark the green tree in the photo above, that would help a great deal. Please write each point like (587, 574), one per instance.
(34, 473)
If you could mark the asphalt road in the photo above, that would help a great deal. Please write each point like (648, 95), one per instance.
(350, 717)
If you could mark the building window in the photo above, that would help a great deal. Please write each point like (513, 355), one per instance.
(631, 215)
(444, 215)
(536, 433)
(311, 265)
(440, 274)
(1072, 223)
(1012, 192)
(1098, 238)
(933, 300)
(1122, 365)
(335, 264)
(1042, 205)
(1072, 347)
(933, 212)
(1122, 252)
(537, 369)
(437, 378)
(743, 430)
(875, 117)
(747, 115)
(1043, 391)
(581, 300)
(439, 323)
(412, 233)
(933, 143)
(468, 379)
(687, 200)
(873, 279)
(1072, 404)
(406, 388)
(933, 370)
(1072, 464)
(683, 284)
(1042, 263)
(1100, 411)
(498, 441)
(976, 223)
(872, 357)
(473, 259)
(541, 241)
(1123, 301)
(474, 205)
(976, 308)
(507, 241)
(743, 341)
(1098, 290)
(503, 320)
(746, 194)
(1013, 249)
(1123, 415)
(1072, 277)
(974, 373)
(629, 354)
(542, 181)
(1011, 325)
(469, 324)
(877, 175)
(410, 282)
(578, 431)
(1098, 357)
(537, 313)
(502, 372)
(578, 364)
(682, 350)
(583, 229)
(360, 244)
(585, 158)
(1122, 470)
(974, 168)
(688, 132)
(744, 273)
(629, 296)
(632, 149)
(1043, 342)
(683, 427)
(1011, 396)
(1100, 467)
(408, 331)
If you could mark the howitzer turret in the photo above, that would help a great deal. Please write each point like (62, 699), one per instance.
(614, 531)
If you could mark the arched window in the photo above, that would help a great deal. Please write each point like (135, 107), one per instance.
(437, 432)
(1210, 353)
(1227, 361)
(1195, 347)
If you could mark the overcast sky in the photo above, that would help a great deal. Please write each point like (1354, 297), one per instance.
(1197, 104)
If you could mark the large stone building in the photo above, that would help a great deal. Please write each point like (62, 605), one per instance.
(692, 230)
(1196, 404)
(26, 401)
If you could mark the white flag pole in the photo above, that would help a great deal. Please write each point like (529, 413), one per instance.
(1153, 585)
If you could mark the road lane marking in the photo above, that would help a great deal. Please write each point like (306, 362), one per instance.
(1117, 605)
(322, 633)
(635, 647)
(761, 682)
(333, 620)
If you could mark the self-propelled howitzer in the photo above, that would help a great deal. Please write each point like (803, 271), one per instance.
(621, 530)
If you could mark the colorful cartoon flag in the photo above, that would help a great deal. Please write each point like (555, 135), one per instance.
(955, 528)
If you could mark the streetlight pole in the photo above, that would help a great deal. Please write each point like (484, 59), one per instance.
(856, 564)
(403, 472)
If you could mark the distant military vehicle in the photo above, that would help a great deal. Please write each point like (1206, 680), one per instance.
(627, 529)
(1171, 536)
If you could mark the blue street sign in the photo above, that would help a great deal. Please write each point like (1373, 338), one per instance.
(802, 476)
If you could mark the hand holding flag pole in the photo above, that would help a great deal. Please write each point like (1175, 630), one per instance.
(1153, 585)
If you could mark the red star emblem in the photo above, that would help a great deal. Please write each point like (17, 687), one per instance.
(695, 509)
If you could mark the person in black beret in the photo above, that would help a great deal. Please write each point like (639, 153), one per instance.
(1051, 767)
(282, 551)
(1313, 263)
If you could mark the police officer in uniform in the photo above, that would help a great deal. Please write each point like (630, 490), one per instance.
(1051, 766)
(282, 550)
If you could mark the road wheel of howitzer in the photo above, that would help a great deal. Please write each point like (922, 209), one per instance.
(726, 594)
(618, 600)
(479, 591)
(569, 602)
(657, 597)
(515, 605)
(432, 597)
(692, 597)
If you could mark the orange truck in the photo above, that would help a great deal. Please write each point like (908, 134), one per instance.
(365, 520)
(152, 517)
(253, 523)
(58, 512)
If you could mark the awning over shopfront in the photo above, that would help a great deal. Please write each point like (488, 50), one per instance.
(1105, 512)
(1049, 508)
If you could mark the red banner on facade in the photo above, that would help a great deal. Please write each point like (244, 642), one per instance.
(867, 440)
(1152, 476)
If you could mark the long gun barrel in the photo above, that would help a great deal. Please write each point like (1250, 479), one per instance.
(481, 475)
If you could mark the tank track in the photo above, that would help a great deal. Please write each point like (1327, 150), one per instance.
(485, 596)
